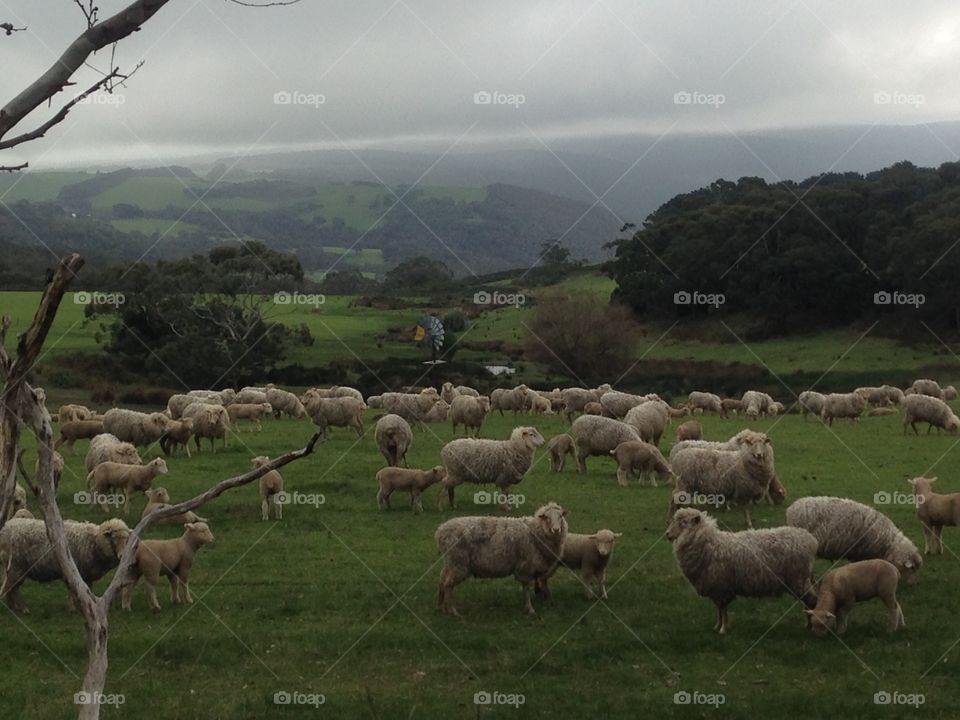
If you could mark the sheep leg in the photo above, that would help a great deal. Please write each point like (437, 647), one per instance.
(938, 532)
(602, 581)
(746, 513)
(150, 583)
(185, 586)
(581, 460)
(264, 509)
(719, 623)
(527, 605)
(622, 480)
(445, 601)
(894, 612)
(724, 620)
(10, 592)
(277, 508)
(383, 499)
(186, 446)
(927, 535)
(841, 621)
(416, 502)
(126, 593)
(174, 589)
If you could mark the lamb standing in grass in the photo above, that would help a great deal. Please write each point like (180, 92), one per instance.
(528, 548)
(252, 412)
(394, 438)
(589, 556)
(636, 456)
(129, 478)
(408, 480)
(172, 558)
(596, 435)
(159, 499)
(75, 430)
(845, 586)
(933, 411)
(934, 512)
(690, 430)
(271, 486)
(559, 447)
(722, 565)
(177, 435)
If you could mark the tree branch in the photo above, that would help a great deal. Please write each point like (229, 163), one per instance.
(9, 29)
(14, 168)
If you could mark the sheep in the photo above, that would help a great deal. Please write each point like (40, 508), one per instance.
(735, 443)
(467, 390)
(844, 587)
(514, 399)
(177, 434)
(934, 512)
(559, 447)
(469, 412)
(636, 456)
(690, 430)
(253, 412)
(407, 480)
(172, 558)
(928, 387)
(339, 412)
(140, 429)
(394, 438)
(730, 406)
(595, 408)
(285, 403)
(209, 421)
(933, 411)
(538, 404)
(650, 420)
(705, 402)
(880, 396)
(574, 399)
(215, 397)
(67, 413)
(842, 405)
(776, 408)
(373, 401)
(679, 411)
(723, 565)
(555, 397)
(735, 478)
(250, 396)
(108, 448)
(528, 548)
(440, 412)
(811, 403)
(130, 478)
(448, 392)
(501, 462)
(19, 498)
(74, 430)
(587, 555)
(178, 403)
(853, 531)
(949, 393)
(28, 555)
(882, 411)
(271, 486)
(159, 499)
(755, 403)
(618, 404)
(412, 407)
(595, 435)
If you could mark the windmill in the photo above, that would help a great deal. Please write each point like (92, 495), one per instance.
(430, 332)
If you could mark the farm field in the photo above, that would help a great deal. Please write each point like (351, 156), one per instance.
(338, 599)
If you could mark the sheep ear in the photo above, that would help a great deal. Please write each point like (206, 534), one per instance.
(807, 611)
(618, 535)
(933, 479)
(592, 537)
(912, 481)
(831, 616)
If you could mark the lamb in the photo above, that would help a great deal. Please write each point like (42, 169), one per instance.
(755, 403)
(589, 556)
(177, 434)
(636, 456)
(811, 403)
(130, 478)
(271, 486)
(933, 411)
(881, 396)
(559, 447)
(139, 429)
(209, 421)
(845, 586)
(374, 401)
(528, 548)
(928, 387)
(107, 448)
(723, 565)
(440, 412)
(501, 462)
(28, 555)
(407, 480)
(934, 512)
(172, 558)
(159, 499)
(705, 402)
(776, 408)
(538, 404)
(949, 393)
(514, 399)
(730, 406)
(469, 412)
(252, 412)
(679, 411)
(853, 531)
(618, 404)
(595, 435)
(340, 412)
(650, 420)
(285, 403)
(74, 430)
(178, 403)
(394, 438)
(842, 405)
(68, 413)
(690, 430)
(575, 398)
(595, 408)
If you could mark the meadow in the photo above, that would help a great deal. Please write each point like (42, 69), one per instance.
(337, 599)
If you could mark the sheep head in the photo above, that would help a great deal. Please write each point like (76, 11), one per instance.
(198, 533)
(820, 622)
(553, 518)
(113, 534)
(686, 520)
(159, 466)
(605, 540)
(157, 495)
(530, 436)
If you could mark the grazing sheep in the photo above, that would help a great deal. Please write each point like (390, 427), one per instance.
(285, 403)
(171, 558)
(528, 548)
(408, 480)
(756, 403)
(617, 404)
(704, 402)
(139, 429)
(690, 430)
(271, 486)
(467, 390)
(933, 411)
(28, 555)
(636, 456)
(735, 443)
(722, 565)
(842, 405)
(776, 408)
(934, 512)
(67, 413)
(730, 406)
(340, 412)
(845, 586)
(595, 435)
(650, 420)
(374, 401)
(394, 438)
(928, 387)
(949, 393)
(679, 411)
(574, 400)
(253, 412)
(159, 499)
(177, 434)
(470, 412)
(811, 403)
(881, 396)
(440, 412)
(215, 397)
(250, 396)
(108, 448)
(501, 462)
(595, 408)
(412, 407)
(559, 447)
(853, 531)
(514, 399)
(129, 478)
(882, 411)
(74, 430)
(178, 403)
(587, 555)
(209, 421)
(538, 404)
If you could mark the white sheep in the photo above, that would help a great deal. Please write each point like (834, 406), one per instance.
(650, 420)
(411, 480)
(618, 404)
(811, 403)
(209, 421)
(172, 558)
(559, 447)
(844, 587)
(514, 399)
(394, 438)
(285, 403)
(705, 402)
(756, 403)
(574, 399)
(252, 412)
(933, 411)
(587, 555)
(928, 387)
(136, 428)
(842, 405)
(178, 403)
(598, 435)
(177, 435)
(470, 412)
(128, 478)
(644, 459)
(338, 412)
(271, 486)
(935, 512)
(108, 448)
(439, 412)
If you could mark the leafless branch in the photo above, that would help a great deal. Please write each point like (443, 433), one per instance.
(9, 29)
(89, 12)
(14, 168)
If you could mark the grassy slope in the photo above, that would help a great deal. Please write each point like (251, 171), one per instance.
(310, 603)
(36, 186)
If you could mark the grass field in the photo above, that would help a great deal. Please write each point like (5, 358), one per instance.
(338, 599)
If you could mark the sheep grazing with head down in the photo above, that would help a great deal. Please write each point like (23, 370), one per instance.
(107, 448)
(340, 412)
(723, 566)
(617, 404)
(66, 413)
(75, 430)
(528, 548)
(470, 412)
(690, 430)
(587, 555)
(928, 387)
(949, 393)
(285, 403)
(933, 411)
(756, 403)
(500, 462)
(644, 459)
(811, 403)
(845, 586)
(704, 402)
(595, 408)
(597, 435)
(846, 529)
(934, 512)
(730, 406)
(559, 447)
(650, 420)
(394, 438)
(574, 400)
(842, 405)
(136, 428)
(514, 399)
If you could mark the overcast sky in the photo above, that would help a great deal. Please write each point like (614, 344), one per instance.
(406, 73)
